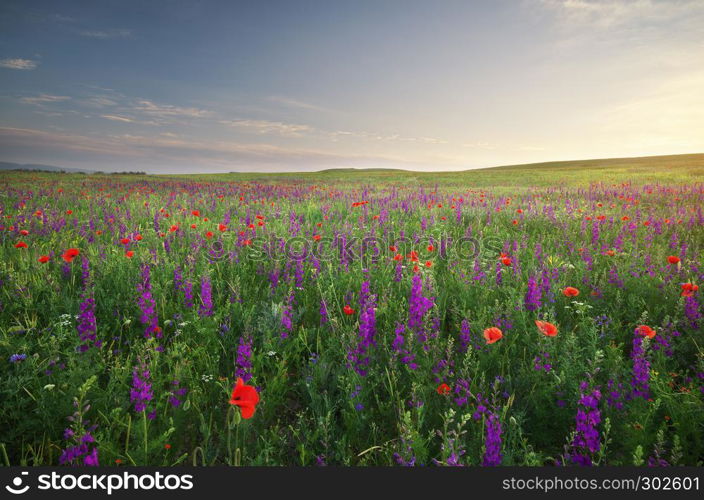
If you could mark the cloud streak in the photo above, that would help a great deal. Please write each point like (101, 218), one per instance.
(107, 34)
(266, 127)
(21, 64)
(44, 99)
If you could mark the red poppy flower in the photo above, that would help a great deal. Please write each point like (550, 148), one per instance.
(209, 234)
(246, 243)
(688, 289)
(413, 256)
(24, 232)
(69, 212)
(246, 397)
(646, 331)
(428, 263)
(43, 259)
(173, 228)
(70, 254)
(547, 329)
(129, 254)
(398, 257)
(193, 226)
(416, 268)
(138, 237)
(570, 292)
(492, 335)
(443, 389)
(125, 241)
(506, 261)
(519, 211)
(222, 227)
(348, 310)
(672, 259)
(196, 213)
(431, 248)
(610, 253)
(20, 244)
(316, 237)
(514, 222)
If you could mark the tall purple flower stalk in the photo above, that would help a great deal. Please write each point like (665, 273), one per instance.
(287, 317)
(141, 392)
(176, 393)
(323, 312)
(188, 294)
(147, 305)
(206, 297)
(492, 441)
(691, 311)
(82, 447)
(586, 441)
(418, 306)
(641, 368)
(533, 295)
(465, 336)
(243, 362)
(87, 326)
(359, 357)
(400, 349)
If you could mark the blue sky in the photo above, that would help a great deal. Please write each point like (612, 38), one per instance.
(188, 86)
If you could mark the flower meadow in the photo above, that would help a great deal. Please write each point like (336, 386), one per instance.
(209, 321)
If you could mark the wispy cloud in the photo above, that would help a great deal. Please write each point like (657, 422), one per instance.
(98, 102)
(117, 118)
(297, 103)
(44, 99)
(615, 13)
(167, 110)
(24, 64)
(106, 34)
(268, 127)
(390, 138)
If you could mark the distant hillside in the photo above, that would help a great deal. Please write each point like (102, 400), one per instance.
(685, 168)
(665, 161)
(6, 165)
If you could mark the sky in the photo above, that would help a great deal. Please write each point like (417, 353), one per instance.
(170, 86)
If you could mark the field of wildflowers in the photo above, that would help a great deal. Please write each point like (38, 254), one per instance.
(354, 321)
